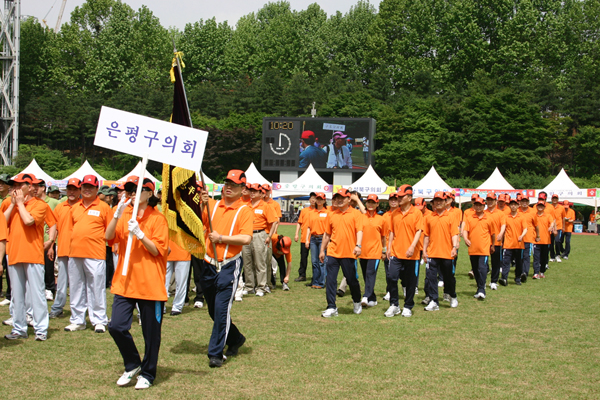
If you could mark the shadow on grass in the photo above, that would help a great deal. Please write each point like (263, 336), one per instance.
(165, 373)
(12, 343)
(189, 347)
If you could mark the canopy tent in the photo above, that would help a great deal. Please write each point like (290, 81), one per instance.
(371, 183)
(207, 180)
(136, 171)
(309, 181)
(566, 189)
(34, 168)
(85, 169)
(496, 182)
(253, 176)
(430, 184)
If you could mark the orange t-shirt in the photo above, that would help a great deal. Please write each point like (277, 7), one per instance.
(146, 273)
(505, 210)
(514, 228)
(457, 214)
(222, 218)
(374, 228)
(468, 213)
(177, 253)
(26, 243)
(275, 206)
(499, 219)
(3, 229)
(528, 217)
(304, 218)
(264, 215)
(65, 228)
(342, 227)
(317, 219)
(570, 213)
(405, 226)
(559, 215)
(89, 229)
(277, 253)
(440, 229)
(480, 231)
(543, 222)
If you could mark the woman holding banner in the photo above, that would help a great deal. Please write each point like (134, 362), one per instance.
(142, 283)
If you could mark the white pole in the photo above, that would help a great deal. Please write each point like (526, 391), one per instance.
(136, 206)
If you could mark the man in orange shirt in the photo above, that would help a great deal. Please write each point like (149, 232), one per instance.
(468, 213)
(499, 219)
(255, 253)
(502, 205)
(314, 237)
(479, 235)
(343, 241)
(393, 202)
(232, 229)
(421, 205)
(301, 227)
(549, 209)
(63, 215)
(404, 252)
(439, 250)
(516, 229)
(271, 273)
(568, 227)
(87, 258)
(559, 217)
(544, 226)
(25, 216)
(528, 215)
(456, 214)
(374, 234)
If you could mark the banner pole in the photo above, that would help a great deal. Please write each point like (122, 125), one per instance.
(136, 206)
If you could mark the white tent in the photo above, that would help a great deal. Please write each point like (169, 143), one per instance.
(207, 180)
(85, 169)
(430, 184)
(370, 183)
(253, 176)
(496, 182)
(34, 168)
(136, 171)
(566, 189)
(309, 181)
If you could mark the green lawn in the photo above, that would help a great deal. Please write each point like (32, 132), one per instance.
(536, 341)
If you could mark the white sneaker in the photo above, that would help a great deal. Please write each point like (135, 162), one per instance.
(267, 289)
(564, 258)
(198, 304)
(8, 322)
(406, 312)
(558, 259)
(49, 295)
(453, 302)
(479, 295)
(75, 327)
(239, 299)
(392, 311)
(128, 376)
(29, 319)
(285, 287)
(404, 291)
(364, 302)
(142, 383)
(441, 284)
(330, 312)
(372, 304)
(357, 308)
(99, 328)
(446, 297)
(5, 302)
(416, 290)
(432, 306)
(244, 292)
(494, 286)
(386, 297)
(552, 260)
(425, 301)
(260, 294)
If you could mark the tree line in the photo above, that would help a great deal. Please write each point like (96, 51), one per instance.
(462, 85)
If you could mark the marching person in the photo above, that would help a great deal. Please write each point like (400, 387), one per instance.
(87, 258)
(314, 237)
(342, 231)
(559, 217)
(4, 193)
(301, 228)
(281, 251)
(232, 229)
(516, 229)
(356, 204)
(393, 203)
(499, 219)
(143, 283)
(456, 214)
(49, 236)
(468, 213)
(544, 226)
(271, 230)
(439, 250)
(568, 228)
(404, 248)
(527, 213)
(479, 234)
(178, 263)
(374, 234)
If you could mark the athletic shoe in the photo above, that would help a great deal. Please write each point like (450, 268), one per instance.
(308, 284)
(503, 282)
(479, 295)
(75, 327)
(198, 304)
(535, 276)
(340, 293)
(300, 279)
(357, 308)
(416, 290)
(142, 383)
(565, 257)
(330, 312)
(558, 259)
(372, 304)
(494, 286)
(29, 319)
(40, 337)
(317, 287)
(432, 306)
(471, 275)
(425, 300)
(14, 335)
(175, 313)
(441, 284)
(238, 299)
(244, 292)
(55, 314)
(406, 312)
(446, 297)
(386, 297)
(392, 311)
(215, 362)
(128, 376)
(233, 349)
(5, 302)
(523, 277)
(100, 328)
(260, 294)
(552, 260)
(518, 283)
(364, 302)
(453, 302)
(285, 287)
(8, 322)
(267, 290)
(542, 275)
(49, 296)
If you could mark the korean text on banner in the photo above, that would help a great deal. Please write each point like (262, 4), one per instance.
(137, 135)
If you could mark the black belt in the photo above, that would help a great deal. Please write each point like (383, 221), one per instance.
(258, 231)
(317, 236)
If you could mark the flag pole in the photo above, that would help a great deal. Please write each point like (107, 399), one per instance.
(136, 206)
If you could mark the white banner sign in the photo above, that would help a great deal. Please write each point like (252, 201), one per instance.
(162, 141)
(334, 127)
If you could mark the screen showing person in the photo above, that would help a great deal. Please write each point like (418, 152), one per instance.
(338, 154)
(309, 153)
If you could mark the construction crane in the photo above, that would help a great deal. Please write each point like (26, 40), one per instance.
(60, 15)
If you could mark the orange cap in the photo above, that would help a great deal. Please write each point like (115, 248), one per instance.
(320, 195)
(491, 195)
(420, 203)
(90, 180)
(404, 190)
(439, 195)
(255, 186)
(236, 176)
(566, 203)
(541, 202)
(23, 178)
(343, 192)
(479, 200)
(373, 197)
(266, 187)
(74, 182)
(285, 243)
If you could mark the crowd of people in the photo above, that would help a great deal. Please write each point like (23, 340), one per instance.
(85, 235)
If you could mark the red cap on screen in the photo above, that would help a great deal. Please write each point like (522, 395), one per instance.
(308, 134)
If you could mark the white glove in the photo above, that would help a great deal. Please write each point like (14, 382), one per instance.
(121, 206)
(134, 228)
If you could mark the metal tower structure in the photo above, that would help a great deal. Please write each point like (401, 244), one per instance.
(10, 33)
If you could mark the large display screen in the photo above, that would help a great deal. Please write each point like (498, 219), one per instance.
(292, 144)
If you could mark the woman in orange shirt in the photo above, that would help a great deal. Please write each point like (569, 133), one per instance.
(544, 226)
(143, 282)
(374, 234)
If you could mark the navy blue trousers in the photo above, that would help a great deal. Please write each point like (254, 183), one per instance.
(408, 272)
(369, 270)
(434, 265)
(479, 265)
(350, 272)
(507, 257)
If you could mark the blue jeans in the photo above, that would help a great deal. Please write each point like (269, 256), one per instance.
(319, 271)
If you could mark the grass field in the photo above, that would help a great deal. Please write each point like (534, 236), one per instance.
(536, 341)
